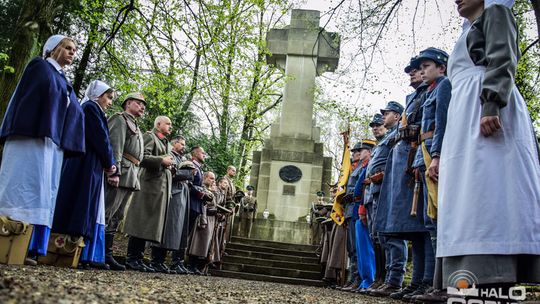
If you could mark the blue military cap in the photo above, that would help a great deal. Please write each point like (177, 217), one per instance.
(393, 106)
(364, 144)
(377, 120)
(320, 193)
(431, 53)
(250, 188)
(413, 65)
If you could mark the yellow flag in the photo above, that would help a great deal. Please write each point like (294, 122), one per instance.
(338, 212)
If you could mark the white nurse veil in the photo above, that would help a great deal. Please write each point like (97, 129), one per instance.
(507, 3)
(95, 89)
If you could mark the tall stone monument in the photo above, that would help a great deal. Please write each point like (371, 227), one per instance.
(291, 167)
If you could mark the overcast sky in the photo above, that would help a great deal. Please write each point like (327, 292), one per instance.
(436, 24)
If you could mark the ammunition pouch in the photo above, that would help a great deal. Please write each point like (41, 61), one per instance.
(409, 133)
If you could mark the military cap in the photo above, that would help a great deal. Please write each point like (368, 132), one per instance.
(437, 55)
(134, 95)
(364, 144)
(393, 106)
(250, 188)
(413, 65)
(377, 120)
(320, 193)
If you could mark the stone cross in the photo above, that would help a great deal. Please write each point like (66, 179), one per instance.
(304, 50)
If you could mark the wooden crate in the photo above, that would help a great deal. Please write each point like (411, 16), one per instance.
(63, 251)
(14, 240)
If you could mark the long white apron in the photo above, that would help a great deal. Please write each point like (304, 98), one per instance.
(489, 187)
(29, 179)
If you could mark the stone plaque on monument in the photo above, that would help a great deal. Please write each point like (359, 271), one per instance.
(291, 167)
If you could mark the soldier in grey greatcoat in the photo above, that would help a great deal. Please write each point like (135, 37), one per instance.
(180, 197)
(146, 214)
(248, 210)
(128, 147)
(175, 230)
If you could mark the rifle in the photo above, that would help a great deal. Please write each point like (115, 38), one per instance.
(416, 193)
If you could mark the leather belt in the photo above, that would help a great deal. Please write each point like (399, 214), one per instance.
(132, 159)
(426, 135)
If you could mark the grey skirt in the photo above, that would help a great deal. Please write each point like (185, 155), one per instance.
(487, 269)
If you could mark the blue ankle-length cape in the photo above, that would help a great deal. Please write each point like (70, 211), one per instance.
(77, 204)
(39, 108)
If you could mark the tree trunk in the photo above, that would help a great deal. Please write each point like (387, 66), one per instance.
(536, 7)
(83, 64)
(33, 27)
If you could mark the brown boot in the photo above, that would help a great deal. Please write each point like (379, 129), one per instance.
(385, 290)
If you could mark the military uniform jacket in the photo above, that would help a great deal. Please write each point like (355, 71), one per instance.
(378, 163)
(145, 217)
(351, 208)
(434, 113)
(248, 207)
(396, 194)
(126, 139)
(229, 195)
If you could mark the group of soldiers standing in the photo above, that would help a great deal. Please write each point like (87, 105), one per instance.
(389, 196)
(185, 210)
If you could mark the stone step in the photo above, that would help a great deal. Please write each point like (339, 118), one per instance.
(272, 256)
(265, 249)
(273, 271)
(272, 244)
(267, 278)
(271, 263)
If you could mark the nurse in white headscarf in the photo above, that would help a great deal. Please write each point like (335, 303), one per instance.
(80, 208)
(43, 124)
(489, 181)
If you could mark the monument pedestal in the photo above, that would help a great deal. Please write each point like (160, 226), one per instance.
(291, 168)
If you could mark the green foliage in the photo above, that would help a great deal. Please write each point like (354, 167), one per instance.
(528, 69)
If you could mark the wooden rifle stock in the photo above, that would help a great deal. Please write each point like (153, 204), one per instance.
(416, 193)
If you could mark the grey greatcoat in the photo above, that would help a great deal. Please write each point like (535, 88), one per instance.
(145, 216)
(204, 230)
(178, 206)
(128, 146)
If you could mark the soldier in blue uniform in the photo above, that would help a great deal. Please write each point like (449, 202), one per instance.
(395, 250)
(351, 211)
(401, 213)
(364, 249)
(433, 64)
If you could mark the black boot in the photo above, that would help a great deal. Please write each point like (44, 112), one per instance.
(109, 259)
(194, 266)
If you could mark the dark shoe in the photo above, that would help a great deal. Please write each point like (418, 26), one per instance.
(84, 266)
(376, 284)
(100, 266)
(435, 296)
(385, 291)
(399, 294)
(30, 261)
(113, 264)
(422, 289)
(351, 287)
(148, 267)
(196, 271)
(160, 267)
(177, 269)
(136, 265)
(369, 290)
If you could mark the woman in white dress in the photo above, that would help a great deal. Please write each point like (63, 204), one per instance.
(489, 185)
(43, 124)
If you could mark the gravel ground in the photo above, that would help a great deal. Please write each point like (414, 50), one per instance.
(46, 284)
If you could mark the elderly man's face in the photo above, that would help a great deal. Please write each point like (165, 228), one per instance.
(231, 172)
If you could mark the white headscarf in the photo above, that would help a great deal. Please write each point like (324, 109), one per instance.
(95, 89)
(507, 3)
(51, 43)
